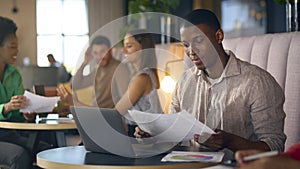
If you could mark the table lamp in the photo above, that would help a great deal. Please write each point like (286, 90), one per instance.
(168, 83)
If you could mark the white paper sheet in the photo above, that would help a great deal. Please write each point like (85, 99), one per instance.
(186, 156)
(39, 104)
(170, 127)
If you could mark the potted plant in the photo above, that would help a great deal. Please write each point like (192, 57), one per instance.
(137, 7)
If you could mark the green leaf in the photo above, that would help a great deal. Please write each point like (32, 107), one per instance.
(163, 6)
(283, 2)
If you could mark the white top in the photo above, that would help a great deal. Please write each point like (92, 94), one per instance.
(150, 102)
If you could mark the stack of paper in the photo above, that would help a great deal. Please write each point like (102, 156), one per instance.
(39, 104)
(170, 127)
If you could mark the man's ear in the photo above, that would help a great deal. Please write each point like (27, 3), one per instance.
(219, 35)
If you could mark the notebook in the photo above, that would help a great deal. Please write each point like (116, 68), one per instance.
(102, 130)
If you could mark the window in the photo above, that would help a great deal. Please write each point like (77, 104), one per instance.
(243, 17)
(62, 29)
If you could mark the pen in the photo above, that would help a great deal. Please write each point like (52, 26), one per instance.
(260, 155)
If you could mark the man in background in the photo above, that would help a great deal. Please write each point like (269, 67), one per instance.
(106, 82)
(63, 75)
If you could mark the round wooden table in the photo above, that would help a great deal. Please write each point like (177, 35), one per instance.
(76, 157)
(58, 126)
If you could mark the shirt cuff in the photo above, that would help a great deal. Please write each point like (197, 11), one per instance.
(273, 145)
(1, 114)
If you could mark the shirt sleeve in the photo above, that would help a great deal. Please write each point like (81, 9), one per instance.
(81, 81)
(266, 104)
(175, 101)
(16, 88)
(120, 82)
(1, 112)
(294, 151)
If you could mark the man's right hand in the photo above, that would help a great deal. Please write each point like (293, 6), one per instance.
(139, 134)
(64, 95)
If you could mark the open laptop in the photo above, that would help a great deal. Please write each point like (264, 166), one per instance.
(102, 130)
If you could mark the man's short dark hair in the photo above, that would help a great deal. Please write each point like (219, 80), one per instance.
(202, 16)
(98, 40)
(7, 27)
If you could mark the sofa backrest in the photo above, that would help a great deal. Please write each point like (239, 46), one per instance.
(279, 54)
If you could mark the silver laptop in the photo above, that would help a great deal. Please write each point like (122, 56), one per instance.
(102, 130)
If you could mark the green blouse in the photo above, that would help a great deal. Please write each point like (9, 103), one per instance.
(10, 86)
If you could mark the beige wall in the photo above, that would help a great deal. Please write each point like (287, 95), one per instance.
(26, 22)
(102, 12)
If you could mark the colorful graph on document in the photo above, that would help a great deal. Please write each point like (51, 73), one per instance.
(192, 157)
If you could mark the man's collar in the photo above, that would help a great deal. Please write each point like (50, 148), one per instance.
(232, 67)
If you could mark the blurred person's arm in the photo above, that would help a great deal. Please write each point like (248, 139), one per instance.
(79, 80)
(120, 82)
(139, 87)
(64, 94)
(222, 139)
(281, 161)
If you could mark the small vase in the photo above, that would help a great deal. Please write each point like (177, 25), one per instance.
(292, 20)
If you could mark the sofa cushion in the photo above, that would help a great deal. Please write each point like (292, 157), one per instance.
(279, 54)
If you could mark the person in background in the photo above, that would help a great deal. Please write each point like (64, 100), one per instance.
(108, 76)
(289, 159)
(52, 61)
(63, 75)
(11, 99)
(243, 102)
(139, 50)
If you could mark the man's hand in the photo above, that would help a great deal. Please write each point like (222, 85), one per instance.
(222, 139)
(64, 95)
(64, 111)
(216, 141)
(139, 134)
(15, 103)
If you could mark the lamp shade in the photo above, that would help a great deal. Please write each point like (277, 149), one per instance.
(168, 84)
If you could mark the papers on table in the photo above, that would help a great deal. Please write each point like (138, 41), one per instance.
(170, 127)
(185, 156)
(39, 104)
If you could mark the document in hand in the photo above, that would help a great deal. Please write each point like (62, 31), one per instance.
(39, 104)
(170, 127)
(186, 156)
